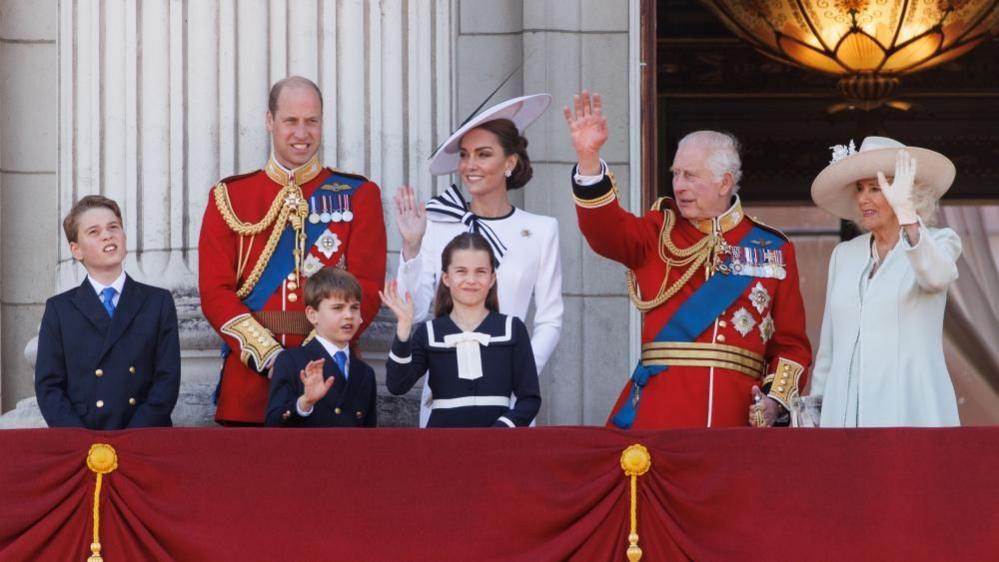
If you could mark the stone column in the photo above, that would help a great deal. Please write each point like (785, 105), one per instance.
(592, 363)
(29, 231)
(160, 99)
(565, 46)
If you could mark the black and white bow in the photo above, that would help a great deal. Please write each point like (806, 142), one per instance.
(450, 206)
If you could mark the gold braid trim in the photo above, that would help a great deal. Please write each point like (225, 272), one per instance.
(698, 354)
(605, 199)
(695, 256)
(255, 341)
(265, 256)
(221, 193)
(289, 206)
(784, 387)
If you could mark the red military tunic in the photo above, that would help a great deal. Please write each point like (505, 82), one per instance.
(228, 266)
(759, 339)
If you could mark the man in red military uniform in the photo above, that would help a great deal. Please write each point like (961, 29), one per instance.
(265, 232)
(723, 334)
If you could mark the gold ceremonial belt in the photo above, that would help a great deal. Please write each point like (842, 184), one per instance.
(284, 322)
(696, 354)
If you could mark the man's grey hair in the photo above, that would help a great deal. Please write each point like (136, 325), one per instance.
(293, 81)
(723, 154)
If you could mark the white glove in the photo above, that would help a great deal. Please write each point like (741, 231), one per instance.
(899, 192)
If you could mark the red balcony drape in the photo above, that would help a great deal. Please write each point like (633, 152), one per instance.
(546, 494)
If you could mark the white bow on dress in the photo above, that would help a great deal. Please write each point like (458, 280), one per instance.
(469, 356)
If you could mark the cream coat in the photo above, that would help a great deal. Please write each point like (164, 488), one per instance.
(903, 380)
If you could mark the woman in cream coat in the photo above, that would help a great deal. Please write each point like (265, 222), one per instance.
(880, 360)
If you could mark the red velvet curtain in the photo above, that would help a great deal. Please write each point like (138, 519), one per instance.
(482, 495)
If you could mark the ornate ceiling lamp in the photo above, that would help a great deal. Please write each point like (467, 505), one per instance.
(867, 43)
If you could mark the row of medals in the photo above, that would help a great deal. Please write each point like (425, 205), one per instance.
(326, 215)
(757, 262)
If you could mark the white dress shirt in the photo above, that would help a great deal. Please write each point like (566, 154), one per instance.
(118, 285)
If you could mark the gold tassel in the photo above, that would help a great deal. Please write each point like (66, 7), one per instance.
(635, 461)
(102, 459)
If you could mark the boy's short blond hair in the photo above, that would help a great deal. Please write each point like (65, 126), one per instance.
(71, 224)
(331, 282)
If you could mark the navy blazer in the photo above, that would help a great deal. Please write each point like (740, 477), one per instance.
(99, 372)
(349, 403)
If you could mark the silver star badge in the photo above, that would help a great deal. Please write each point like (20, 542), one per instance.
(767, 328)
(743, 321)
(327, 244)
(759, 297)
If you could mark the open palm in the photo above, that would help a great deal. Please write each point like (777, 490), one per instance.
(587, 124)
(314, 387)
(401, 306)
(411, 219)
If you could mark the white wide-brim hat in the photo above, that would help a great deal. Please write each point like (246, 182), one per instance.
(522, 111)
(834, 189)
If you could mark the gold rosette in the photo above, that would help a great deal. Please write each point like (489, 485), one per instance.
(101, 459)
(635, 461)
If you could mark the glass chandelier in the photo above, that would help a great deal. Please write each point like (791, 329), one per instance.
(867, 43)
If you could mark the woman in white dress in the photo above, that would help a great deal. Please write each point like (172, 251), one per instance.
(489, 153)
(880, 360)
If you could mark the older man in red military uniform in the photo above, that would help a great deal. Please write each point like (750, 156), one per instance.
(724, 329)
(264, 233)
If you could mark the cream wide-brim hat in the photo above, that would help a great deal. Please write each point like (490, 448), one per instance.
(834, 189)
(522, 111)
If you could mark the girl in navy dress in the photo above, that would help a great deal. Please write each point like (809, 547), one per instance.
(476, 357)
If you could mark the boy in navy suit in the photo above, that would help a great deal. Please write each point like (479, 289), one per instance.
(108, 350)
(322, 384)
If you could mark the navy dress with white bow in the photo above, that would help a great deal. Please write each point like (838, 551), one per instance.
(472, 374)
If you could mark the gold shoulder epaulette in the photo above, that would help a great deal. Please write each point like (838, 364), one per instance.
(237, 177)
(347, 174)
(660, 204)
(769, 228)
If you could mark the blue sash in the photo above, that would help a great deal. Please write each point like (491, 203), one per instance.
(694, 316)
(282, 262)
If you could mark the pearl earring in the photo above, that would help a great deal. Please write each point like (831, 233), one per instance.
(508, 173)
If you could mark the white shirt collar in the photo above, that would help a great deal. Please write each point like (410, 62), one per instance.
(332, 348)
(118, 284)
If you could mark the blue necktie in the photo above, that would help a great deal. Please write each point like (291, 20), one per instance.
(341, 361)
(108, 294)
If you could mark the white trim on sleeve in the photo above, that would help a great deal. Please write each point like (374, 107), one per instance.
(400, 360)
